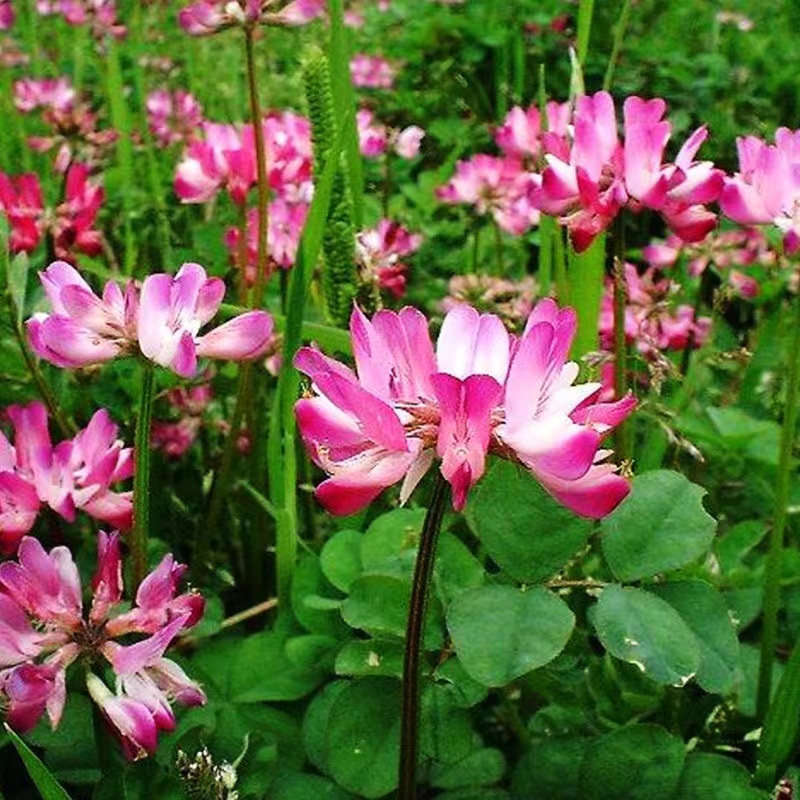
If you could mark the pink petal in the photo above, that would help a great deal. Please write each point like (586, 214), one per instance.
(244, 337)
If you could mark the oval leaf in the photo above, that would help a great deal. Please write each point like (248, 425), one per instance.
(638, 627)
(661, 525)
(500, 632)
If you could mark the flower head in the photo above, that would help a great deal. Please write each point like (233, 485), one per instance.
(43, 630)
(481, 391)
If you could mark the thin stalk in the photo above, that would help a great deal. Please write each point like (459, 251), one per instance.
(261, 168)
(560, 267)
(423, 571)
(241, 255)
(476, 242)
(620, 346)
(772, 574)
(387, 184)
(619, 37)
(141, 475)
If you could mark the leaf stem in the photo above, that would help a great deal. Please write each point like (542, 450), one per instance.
(423, 571)
(772, 574)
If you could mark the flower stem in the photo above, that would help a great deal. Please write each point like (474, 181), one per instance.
(498, 249)
(772, 574)
(261, 167)
(141, 475)
(423, 570)
(620, 349)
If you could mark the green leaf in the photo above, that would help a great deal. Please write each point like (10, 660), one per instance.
(661, 525)
(551, 769)
(525, 531)
(479, 768)
(456, 568)
(501, 633)
(586, 273)
(640, 762)
(298, 786)
(706, 613)
(370, 657)
(49, 788)
(362, 739)
(707, 775)
(638, 627)
(389, 544)
(379, 604)
(315, 723)
(308, 581)
(782, 724)
(340, 559)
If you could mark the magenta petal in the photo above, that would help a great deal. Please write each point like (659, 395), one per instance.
(73, 345)
(129, 659)
(184, 362)
(244, 337)
(595, 495)
(342, 498)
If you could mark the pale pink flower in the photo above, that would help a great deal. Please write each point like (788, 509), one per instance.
(56, 94)
(75, 474)
(163, 322)
(100, 15)
(766, 190)
(205, 17)
(173, 116)
(407, 141)
(480, 392)
(498, 186)
(371, 72)
(521, 134)
(285, 223)
(43, 631)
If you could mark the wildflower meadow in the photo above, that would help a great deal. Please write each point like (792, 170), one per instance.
(398, 400)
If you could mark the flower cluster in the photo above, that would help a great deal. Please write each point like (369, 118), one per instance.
(163, 321)
(75, 474)
(512, 301)
(175, 438)
(173, 117)
(374, 139)
(100, 15)
(379, 251)
(205, 17)
(43, 631)
(741, 257)
(70, 224)
(371, 72)
(481, 391)
(766, 189)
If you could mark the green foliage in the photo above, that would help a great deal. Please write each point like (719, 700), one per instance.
(49, 788)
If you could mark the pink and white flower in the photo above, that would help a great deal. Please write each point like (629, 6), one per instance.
(75, 474)
(205, 17)
(56, 94)
(380, 251)
(371, 72)
(43, 631)
(480, 392)
(173, 117)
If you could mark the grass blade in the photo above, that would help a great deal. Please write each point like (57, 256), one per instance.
(49, 788)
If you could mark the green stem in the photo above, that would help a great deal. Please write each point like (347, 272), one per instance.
(772, 574)
(423, 571)
(141, 475)
(619, 38)
(620, 347)
(476, 242)
(261, 168)
(498, 249)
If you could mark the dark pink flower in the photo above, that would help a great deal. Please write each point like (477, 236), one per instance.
(173, 116)
(43, 631)
(75, 474)
(380, 251)
(205, 17)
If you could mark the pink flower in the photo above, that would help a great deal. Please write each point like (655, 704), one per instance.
(173, 117)
(101, 15)
(766, 190)
(70, 224)
(371, 72)
(75, 474)
(380, 250)
(209, 16)
(163, 323)
(407, 141)
(521, 134)
(372, 139)
(7, 15)
(601, 176)
(43, 631)
(286, 221)
(173, 310)
(50, 93)
(480, 392)
(497, 186)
